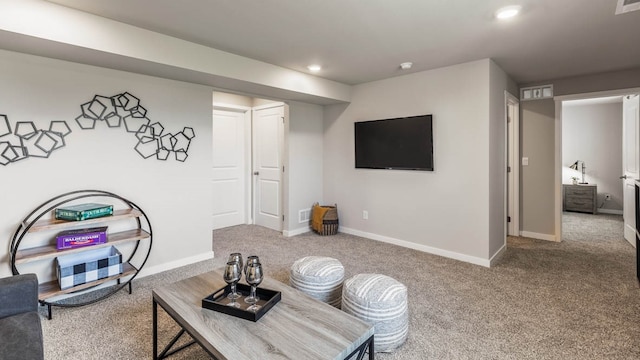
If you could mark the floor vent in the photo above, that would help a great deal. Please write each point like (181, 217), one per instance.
(625, 6)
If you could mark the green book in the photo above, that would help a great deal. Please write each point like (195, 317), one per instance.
(83, 211)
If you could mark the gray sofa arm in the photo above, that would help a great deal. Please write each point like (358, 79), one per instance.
(18, 294)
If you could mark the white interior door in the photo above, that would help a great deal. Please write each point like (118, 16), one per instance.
(230, 168)
(513, 154)
(268, 138)
(630, 162)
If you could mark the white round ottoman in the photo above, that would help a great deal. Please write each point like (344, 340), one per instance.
(319, 277)
(381, 301)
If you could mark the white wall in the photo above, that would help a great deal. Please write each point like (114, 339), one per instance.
(445, 211)
(176, 196)
(593, 133)
(232, 99)
(499, 83)
(537, 196)
(305, 147)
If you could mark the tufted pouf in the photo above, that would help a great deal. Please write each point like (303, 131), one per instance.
(381, 301)
(319, 277)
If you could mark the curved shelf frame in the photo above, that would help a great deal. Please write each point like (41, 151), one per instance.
(45, 208)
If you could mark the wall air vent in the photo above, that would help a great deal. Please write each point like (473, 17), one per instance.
(625, 6)
(536, 92)
(304, 216)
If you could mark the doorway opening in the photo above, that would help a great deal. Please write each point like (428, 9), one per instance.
(247, 161)
(597, 157)
(513, 169)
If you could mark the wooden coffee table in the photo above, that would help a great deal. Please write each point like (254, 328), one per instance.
(297, 327)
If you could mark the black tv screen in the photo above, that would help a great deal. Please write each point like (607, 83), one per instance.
(398, 144)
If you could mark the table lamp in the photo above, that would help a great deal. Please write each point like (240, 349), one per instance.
(575, 165)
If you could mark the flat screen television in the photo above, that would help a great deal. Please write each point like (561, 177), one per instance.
(397, 144)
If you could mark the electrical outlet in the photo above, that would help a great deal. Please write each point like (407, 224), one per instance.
(365, 215)
(607, 197)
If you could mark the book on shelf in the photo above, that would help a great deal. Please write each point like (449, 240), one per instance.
(83, 211)
(71, 239)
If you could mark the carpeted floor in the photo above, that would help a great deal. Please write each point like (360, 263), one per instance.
(578, 299)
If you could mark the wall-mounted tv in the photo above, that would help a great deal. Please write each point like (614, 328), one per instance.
(398, 144)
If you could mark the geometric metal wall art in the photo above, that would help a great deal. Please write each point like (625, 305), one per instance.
(125, 109)
(28, 141)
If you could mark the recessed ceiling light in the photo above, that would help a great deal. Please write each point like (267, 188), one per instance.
(406, 65)
(314, 68)
(508, 12)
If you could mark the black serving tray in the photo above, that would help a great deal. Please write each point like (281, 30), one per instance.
(218, 302)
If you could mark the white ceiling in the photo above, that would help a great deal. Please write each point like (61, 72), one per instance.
(358, 41)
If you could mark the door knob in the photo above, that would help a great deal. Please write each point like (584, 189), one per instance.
(256, 173)
(624, 177)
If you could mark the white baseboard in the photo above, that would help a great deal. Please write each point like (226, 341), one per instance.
(424, 248)
(146, 271)
(538, 236)
(295, 232)
(496, 257)
(610, 211)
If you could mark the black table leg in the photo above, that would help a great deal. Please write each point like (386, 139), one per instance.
(167, 351)
(362, 350)
(155, 330)
(371, 349)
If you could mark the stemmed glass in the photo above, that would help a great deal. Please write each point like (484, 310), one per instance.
(254, 278)
(232, 274)
(237, 258)
(253, 259)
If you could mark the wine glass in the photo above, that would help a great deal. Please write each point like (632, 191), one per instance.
(253, 259)
(237, 258)
(232, 275)
(254, 278)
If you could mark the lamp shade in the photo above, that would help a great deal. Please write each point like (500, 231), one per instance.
(574, 166)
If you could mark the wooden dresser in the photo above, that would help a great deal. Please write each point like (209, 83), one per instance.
(581, 197)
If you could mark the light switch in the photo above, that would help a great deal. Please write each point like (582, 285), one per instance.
(525, 161)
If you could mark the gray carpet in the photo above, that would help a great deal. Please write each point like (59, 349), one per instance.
(578, 299)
